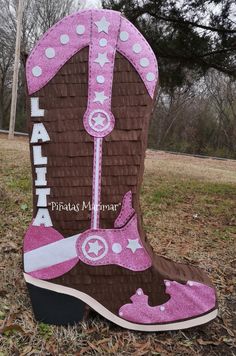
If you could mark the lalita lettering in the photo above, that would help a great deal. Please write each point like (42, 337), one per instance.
(39, 136)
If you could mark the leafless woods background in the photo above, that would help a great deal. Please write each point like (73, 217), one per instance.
(195, 42)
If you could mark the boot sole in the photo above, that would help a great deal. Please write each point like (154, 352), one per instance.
(59, 305)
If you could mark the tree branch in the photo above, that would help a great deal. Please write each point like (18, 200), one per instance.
(194, 24)
(147, 9)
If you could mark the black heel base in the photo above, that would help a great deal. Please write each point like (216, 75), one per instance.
(56, 308)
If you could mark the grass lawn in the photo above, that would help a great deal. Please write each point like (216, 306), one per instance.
(189, 211)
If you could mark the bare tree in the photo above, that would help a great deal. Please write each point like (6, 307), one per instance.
(39, 15)
(48, 12)
(7, 37)
(222, 94)
(197, 119)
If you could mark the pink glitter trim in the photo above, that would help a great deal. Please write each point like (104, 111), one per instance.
(55, 271)
(39, 236)
(126, 210)
(63, 52)
(144, 60)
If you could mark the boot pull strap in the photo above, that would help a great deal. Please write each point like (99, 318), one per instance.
(98, 119)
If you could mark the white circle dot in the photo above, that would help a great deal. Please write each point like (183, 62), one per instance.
(103, 42)
(116, 248)
(64, 39)
(124, 36)
(190, 283)
(120, 314)
(162, 308)
(144, 62)
(167, 284)
(139, 292)
(137, 48)
(37, 71)
(100, 79)
(150, 77)
(50, 52)
(80, 29)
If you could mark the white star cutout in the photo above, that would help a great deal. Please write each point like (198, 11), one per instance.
(134, 245)
(102, 59)
(100, 97)
(94, 247)
(99, 120)
(103, 25)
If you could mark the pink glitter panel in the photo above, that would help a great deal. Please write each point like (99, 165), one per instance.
(186, 301)
(121, 247)
(87, 28)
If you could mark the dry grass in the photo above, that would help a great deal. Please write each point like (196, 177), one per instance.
(205, 169)
(189, 209)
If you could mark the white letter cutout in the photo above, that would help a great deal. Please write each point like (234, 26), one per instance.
(42, 218)
(35, 111)
(42, 196)
(38, 158)
(41, 176)
(39, 133)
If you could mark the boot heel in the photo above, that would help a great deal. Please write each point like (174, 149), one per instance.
(56, 308)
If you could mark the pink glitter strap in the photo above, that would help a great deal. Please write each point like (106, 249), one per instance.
(48, 255)
(98, 119)
(122, 247)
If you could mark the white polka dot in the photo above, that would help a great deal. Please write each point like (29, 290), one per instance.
(139, 292)
(103, 42)
(150, 77)
(124, 36)
(190, 283)
(116, 248)
(137, 48)
(120, 314)
(162, 308)
(80, 29)
(50, 52)
(64, 39)
(100, 79)
(167, 284)
(144, 62)
(37, 71)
